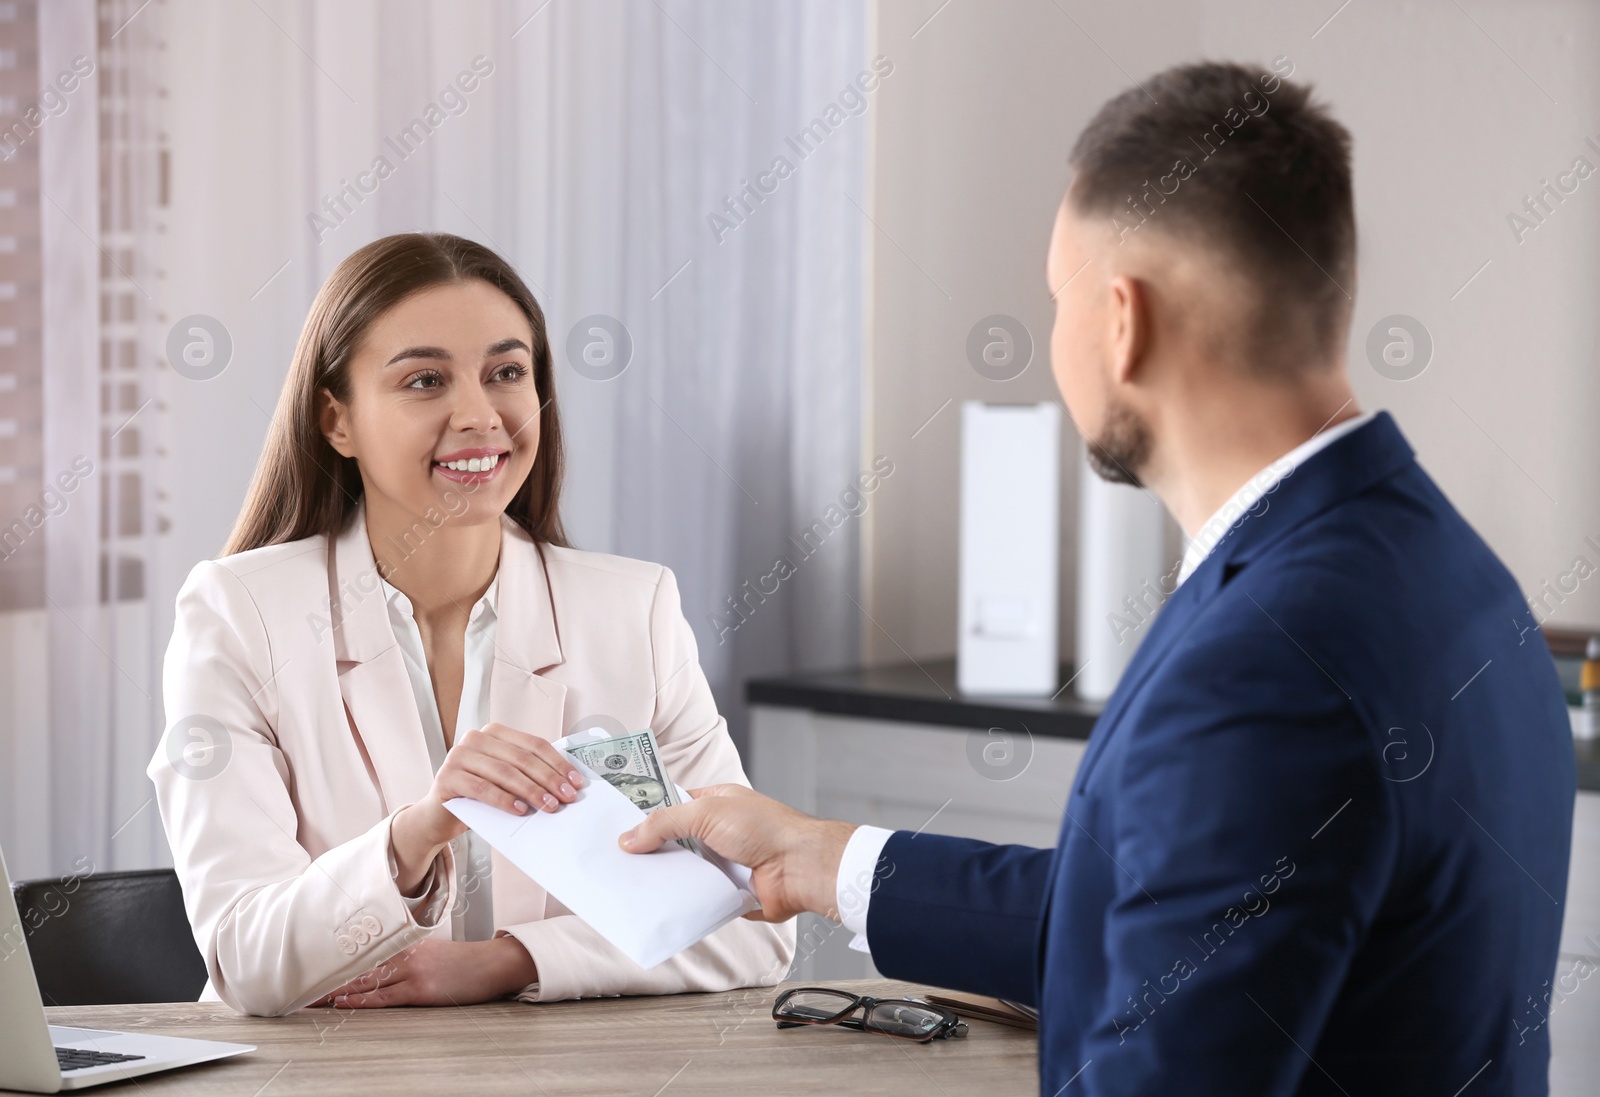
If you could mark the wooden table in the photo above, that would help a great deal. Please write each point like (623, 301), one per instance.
(644, 1047)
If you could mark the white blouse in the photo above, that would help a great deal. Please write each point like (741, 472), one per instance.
(472, 917)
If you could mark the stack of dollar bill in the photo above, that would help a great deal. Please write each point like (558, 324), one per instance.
(632, 764)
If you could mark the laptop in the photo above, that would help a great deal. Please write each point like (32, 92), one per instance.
(43, 1058)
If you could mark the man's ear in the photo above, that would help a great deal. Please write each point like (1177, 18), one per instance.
(1130, 328)
(334, 419)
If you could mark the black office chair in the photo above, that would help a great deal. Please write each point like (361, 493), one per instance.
(111, 938)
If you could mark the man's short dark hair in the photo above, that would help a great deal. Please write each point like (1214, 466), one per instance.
(1239, 159)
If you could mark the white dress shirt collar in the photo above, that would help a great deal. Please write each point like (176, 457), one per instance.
(486, 604)
(1251, 492)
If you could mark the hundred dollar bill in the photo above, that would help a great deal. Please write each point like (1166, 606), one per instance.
(632, 765)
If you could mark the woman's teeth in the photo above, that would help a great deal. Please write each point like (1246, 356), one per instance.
(472, 464)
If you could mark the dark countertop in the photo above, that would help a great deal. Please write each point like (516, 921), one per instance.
(925, 693)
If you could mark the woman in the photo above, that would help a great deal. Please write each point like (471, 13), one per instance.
(398, 620)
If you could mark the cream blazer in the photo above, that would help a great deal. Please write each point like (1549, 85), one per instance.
(293, 739)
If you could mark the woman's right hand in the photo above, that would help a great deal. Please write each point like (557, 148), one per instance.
(497, 765)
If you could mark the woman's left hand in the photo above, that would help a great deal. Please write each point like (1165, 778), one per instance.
(440, 973)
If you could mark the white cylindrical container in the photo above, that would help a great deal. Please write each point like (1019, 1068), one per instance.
(1122, 579)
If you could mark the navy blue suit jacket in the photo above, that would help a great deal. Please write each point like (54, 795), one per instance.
(1318, 841)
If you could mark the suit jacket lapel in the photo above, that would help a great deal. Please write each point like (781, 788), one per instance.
(372, 670)
(1347, 467)
(525, 640)
(525, 645)
(1171, 621)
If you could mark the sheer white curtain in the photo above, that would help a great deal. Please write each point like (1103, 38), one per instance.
(594, 145)
(78, 646)
(736, 425)
(79, 684)
(608, 135)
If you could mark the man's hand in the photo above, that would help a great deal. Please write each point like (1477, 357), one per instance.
(440, 973)
(794, 858)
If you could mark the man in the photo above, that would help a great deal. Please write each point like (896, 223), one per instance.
(1318, 841)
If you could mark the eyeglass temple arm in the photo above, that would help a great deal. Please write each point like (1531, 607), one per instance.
(843, 1022)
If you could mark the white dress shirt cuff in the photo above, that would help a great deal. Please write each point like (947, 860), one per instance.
(857, 881)
(427, 906)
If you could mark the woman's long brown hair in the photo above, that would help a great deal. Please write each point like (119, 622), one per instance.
(302, 485)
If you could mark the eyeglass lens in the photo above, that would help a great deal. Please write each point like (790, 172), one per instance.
(902, 1019)
(818, 1005)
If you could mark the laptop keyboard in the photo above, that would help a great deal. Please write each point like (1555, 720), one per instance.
(72, 1058)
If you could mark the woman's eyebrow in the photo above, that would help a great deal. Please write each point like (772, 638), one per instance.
(440, 353)
(419, 352)
(504, 345)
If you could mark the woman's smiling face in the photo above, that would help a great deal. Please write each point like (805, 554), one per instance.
(445, 376)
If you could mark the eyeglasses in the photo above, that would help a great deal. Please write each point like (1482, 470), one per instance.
(906, 1018)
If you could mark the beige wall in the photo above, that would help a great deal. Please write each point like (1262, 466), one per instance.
(970, 140)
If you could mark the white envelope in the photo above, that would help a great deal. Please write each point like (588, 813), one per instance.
(650, 906)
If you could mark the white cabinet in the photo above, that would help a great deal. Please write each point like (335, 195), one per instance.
(1580, 928)
(995, 785)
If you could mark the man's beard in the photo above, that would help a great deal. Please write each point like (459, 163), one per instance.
(1123, 446)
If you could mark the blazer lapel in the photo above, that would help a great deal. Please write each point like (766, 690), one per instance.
(1170, 623)
(526, 641)
(372, 671)
(1347, 467)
